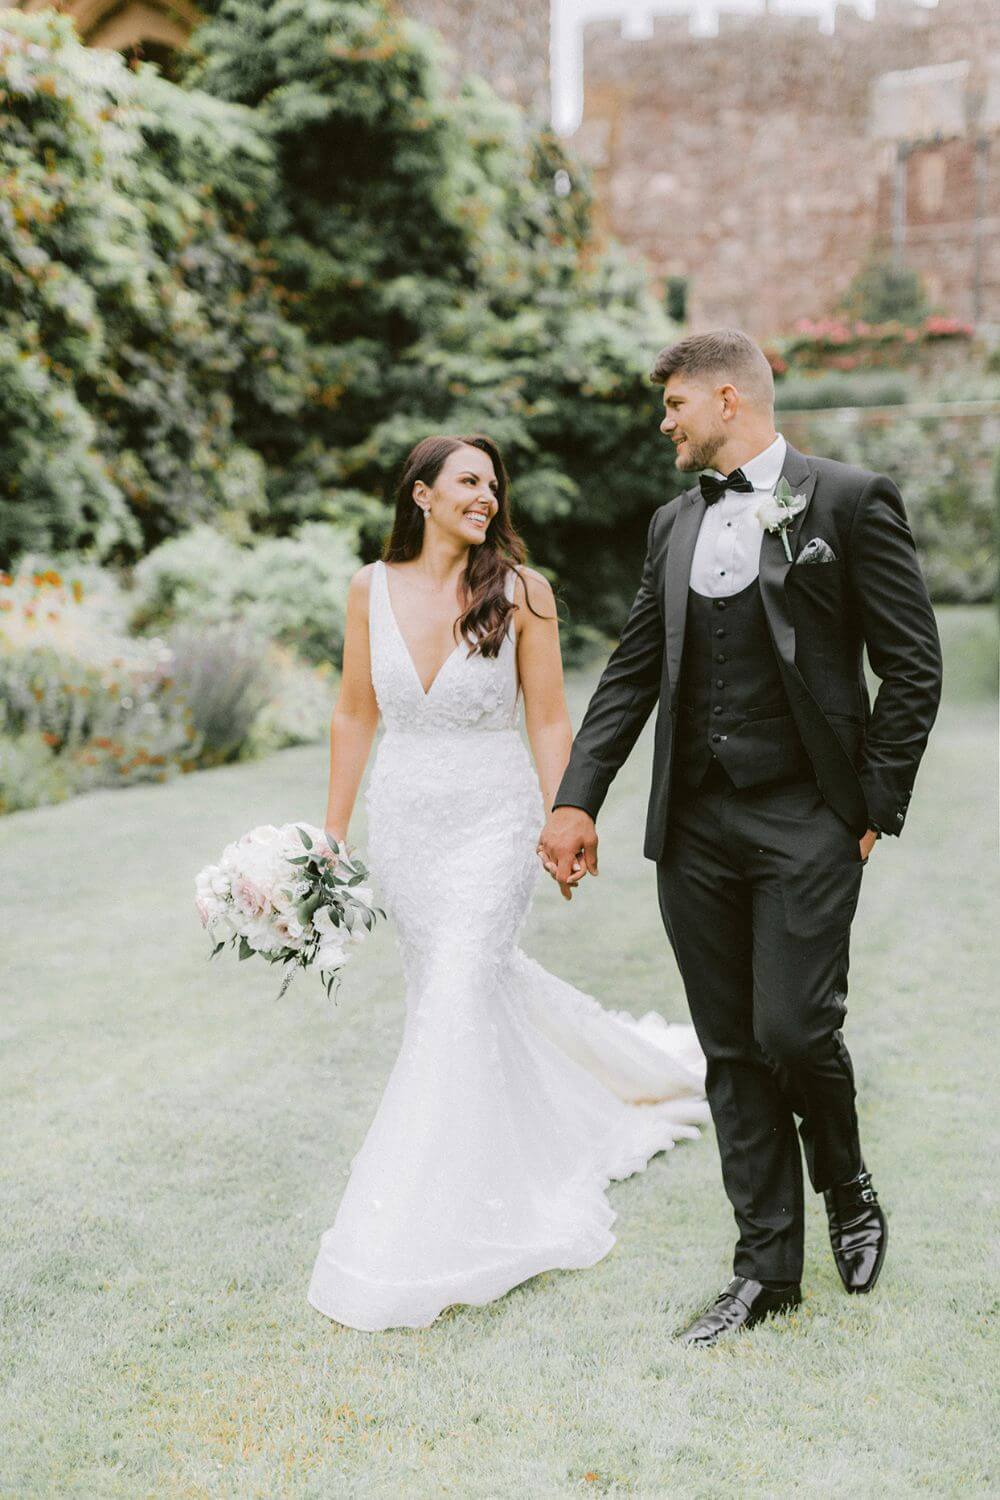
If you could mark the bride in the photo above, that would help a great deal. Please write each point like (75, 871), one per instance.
(515, 1099)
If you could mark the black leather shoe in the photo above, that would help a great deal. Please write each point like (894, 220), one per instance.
(741, 1305)
(858, 1231)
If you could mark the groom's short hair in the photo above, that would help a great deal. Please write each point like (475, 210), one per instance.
(724, 352)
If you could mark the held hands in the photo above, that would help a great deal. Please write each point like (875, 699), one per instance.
(567, 847)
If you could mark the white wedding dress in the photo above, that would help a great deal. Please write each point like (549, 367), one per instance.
(515, 1098)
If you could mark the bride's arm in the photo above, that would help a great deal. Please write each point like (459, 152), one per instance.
(355, 716)
(539, 663)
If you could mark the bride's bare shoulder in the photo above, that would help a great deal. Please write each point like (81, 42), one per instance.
(533, 588)
(359, 589)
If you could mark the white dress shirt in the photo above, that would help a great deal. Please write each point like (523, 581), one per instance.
(727, 553)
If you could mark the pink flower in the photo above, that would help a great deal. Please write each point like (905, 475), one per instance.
(249, 898)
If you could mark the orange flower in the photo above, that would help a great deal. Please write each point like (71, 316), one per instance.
(49, 737)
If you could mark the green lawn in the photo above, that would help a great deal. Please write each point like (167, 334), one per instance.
(176, 1142)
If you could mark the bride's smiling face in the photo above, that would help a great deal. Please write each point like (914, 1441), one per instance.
(462, 501)
(694, 420)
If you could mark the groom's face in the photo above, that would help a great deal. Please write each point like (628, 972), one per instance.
(693, 421)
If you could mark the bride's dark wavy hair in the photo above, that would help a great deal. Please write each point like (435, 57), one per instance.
(487, 605)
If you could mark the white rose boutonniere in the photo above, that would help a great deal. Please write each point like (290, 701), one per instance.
(776, 514)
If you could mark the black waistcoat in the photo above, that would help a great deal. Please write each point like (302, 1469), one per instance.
(731, 701)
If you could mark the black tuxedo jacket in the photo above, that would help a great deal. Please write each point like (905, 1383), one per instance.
(820, 617)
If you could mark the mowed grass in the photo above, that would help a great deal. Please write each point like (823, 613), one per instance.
(176, 1141)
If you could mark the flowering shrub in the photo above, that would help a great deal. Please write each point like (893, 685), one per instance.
(83, 704)
(836, 344)
(105, 707)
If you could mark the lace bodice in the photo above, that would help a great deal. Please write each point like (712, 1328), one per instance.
(469, 692)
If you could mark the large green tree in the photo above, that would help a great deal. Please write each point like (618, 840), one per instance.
(242, 299)
(145, 355)
(444, 252)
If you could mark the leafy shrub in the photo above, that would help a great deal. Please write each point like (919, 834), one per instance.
(883, 292)
(31, 774)
(942, 466)
(144, 349)
(292, 590)
(298, 709)
(811, 393)
(972, 384)
(225, 680)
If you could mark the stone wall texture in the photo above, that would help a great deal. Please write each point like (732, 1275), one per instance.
(507, 41)
(766, 164)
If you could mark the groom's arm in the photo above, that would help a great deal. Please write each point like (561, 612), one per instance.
(623, 699)
(903, 647)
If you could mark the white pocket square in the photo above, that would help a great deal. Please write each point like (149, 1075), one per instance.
(816, 551)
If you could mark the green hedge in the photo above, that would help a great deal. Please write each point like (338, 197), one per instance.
(942, 458)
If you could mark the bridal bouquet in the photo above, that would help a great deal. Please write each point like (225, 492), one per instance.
(292, 895)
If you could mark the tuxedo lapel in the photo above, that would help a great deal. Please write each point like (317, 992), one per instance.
(774, 565)
(677, 579)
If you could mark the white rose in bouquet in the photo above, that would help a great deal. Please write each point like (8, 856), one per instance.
(291, 894)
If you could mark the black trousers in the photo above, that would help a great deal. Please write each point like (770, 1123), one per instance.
(757, 890)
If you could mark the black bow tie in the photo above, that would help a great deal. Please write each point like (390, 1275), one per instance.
(713, 489)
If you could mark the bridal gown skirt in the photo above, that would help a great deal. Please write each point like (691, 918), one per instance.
(515, 1099)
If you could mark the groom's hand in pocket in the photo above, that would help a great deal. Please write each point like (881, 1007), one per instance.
(567, 847)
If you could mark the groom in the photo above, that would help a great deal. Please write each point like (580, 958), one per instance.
(773, 776)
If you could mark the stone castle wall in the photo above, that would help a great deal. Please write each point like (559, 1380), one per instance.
(767, 163)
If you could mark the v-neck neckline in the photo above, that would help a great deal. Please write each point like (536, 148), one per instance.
(424, 692)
